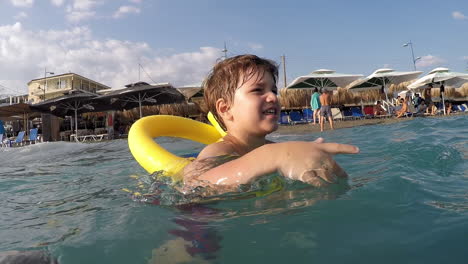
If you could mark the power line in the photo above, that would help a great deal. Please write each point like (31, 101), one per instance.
(141, 66)
(3, 87)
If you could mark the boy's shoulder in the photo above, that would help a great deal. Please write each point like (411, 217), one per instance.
(220, 148)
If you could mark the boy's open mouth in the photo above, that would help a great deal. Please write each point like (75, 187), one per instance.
(270, 111)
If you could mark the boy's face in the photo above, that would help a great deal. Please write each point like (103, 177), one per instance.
(255, 108)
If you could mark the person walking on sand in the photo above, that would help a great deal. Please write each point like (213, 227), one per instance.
(315, 104)
(325, 109)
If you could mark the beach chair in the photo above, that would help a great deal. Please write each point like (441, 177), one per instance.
(347, 114)
(440, 108)
(465, 107)
(33, 136)
(18, 140)
(2, 144)
(284, 119)
(369, 111)
(356, 112)
(462, 108)
(308, 115)
(336, 114)
(296, 118)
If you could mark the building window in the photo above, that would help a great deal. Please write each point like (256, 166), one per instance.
(61, 84)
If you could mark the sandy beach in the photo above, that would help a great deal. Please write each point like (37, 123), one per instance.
(313, 128)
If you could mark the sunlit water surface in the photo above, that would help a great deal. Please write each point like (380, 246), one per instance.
(406, 201)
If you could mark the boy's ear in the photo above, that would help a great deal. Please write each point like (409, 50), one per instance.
(222, 108)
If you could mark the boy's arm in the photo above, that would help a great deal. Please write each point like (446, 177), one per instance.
(305, 161)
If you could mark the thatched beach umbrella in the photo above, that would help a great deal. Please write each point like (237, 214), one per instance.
(68, 105)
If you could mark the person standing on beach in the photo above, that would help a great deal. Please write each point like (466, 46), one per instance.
(315, 104)
(325, 109)
(427, 94)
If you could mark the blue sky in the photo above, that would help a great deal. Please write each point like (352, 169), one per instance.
(178, 41)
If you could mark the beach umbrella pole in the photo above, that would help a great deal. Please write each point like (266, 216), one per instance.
(443, 102)
(139, 105)
(386, 96)
(76, 124)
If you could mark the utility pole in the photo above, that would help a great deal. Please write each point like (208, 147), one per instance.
(283, 61)
(225, 51)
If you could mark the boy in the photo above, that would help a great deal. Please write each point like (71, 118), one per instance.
(241, 93)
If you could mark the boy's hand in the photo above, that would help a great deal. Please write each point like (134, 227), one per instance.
(312, 162)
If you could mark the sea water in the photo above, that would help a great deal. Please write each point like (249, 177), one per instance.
(406, 201)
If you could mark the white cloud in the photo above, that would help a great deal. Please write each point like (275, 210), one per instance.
(465, 58)
(459, 15)
(57, 2)
(255, 46)
(429, 60)
(23, 3)
(21, 15)
(81, 10)
(24, 54)
(126, 10)
(76, 16)
(85, 4)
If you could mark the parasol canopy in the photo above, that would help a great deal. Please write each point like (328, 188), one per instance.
(440, 77)
(140, 94)
(9, 110)
(382, 77)
(323, 79)
(70, 104)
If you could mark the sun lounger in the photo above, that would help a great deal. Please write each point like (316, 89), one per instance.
(308, 115)
(19, 140)
(347, 114)
(369, 111)
(2, 144)
(284, 119)
(32, 136)
(91, 138)
(296, 118)
(336, 114)
(357, 113)
(462, 108)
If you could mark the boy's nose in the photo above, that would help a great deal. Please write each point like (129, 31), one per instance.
(271, 97)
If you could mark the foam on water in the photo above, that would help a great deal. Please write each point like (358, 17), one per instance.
(406, 201)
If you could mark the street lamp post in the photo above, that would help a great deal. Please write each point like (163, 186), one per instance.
(45, 81)
(412, 53)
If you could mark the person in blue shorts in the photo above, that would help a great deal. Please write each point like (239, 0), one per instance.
(325, 109)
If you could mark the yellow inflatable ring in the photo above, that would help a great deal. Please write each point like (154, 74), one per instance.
(152, 157)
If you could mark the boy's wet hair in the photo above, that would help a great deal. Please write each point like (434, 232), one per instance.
(225, 79)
